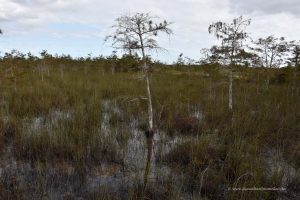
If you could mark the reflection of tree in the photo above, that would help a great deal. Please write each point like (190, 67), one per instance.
(148, 161)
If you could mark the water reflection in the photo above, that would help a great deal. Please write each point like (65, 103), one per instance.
(149, 145)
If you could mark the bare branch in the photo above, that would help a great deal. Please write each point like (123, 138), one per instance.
(138, 32)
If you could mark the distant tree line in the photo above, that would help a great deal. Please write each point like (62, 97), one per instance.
(269, 52)
(136, 35)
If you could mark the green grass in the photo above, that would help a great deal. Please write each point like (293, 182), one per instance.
(233, 150)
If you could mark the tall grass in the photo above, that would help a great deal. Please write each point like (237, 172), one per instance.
(57, 117)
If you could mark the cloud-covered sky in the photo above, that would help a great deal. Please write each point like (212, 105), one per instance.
(78, 27)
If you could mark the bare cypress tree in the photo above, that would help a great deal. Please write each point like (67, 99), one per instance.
(271, 50)
(232, 35)
(295, 51)
(138, 32)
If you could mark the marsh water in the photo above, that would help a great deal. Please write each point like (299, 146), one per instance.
(141, 156)
(138, 165)
(139, 162)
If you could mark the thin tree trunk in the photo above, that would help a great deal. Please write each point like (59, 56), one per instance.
(149, 98)
(230, 79)
(266, 57)
(146, 69)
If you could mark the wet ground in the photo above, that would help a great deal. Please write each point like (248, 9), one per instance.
(139, 164)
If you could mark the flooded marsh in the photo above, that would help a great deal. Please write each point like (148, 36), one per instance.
(81, 134)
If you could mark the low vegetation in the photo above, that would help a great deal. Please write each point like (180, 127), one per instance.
(72, 116)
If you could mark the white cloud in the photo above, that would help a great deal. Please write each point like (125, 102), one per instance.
(191, 19)
(267, 7)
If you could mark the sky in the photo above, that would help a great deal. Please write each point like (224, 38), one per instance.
(78, 27)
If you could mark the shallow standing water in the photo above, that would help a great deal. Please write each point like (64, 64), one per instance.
(139, 155)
